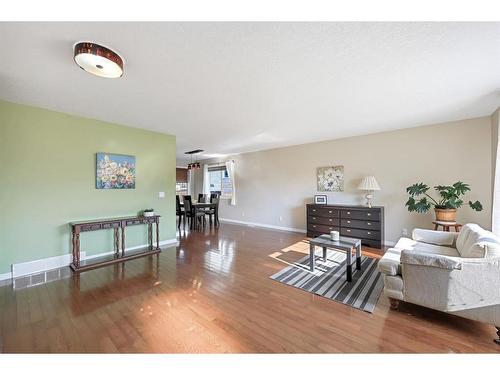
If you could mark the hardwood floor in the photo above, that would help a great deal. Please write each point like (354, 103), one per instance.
(212, 294)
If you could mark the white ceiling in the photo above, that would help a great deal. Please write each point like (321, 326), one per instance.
(238, 87)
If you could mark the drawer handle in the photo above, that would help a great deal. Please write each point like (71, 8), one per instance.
(329, 212)
(348, 212)
(368, 223)
(331, 228)
(314, 210)
(330, 219)
(348, 221)
(369, 214)
(314, 218)
(348, 230)
(368, 232)
(314, 226)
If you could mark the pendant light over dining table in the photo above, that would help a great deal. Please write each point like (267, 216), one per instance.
(196, 164)
(98, 60)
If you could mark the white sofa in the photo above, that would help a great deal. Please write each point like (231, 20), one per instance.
(458, 273)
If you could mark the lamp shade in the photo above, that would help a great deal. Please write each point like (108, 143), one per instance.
(369, 183)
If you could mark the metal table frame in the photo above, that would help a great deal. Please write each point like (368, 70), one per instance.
(344, 244)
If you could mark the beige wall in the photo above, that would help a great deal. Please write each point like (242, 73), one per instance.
(280, 182)
(495, 185)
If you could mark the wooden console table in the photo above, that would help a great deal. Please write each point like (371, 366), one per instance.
(117, 224)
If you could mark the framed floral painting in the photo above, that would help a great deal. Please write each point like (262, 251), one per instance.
(114, 171)
(331, 178)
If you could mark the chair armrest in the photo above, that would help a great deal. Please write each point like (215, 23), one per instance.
(444, 289)
(430, 260)
(435, 237)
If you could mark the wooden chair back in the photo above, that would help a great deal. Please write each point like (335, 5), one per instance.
(188, 207)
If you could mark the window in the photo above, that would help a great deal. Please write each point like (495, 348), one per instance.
(181, 185)
(181, 188)
(220, 182)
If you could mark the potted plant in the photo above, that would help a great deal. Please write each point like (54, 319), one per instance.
(449, 200)
(148, 212)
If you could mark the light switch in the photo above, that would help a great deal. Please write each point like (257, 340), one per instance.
(161, 194)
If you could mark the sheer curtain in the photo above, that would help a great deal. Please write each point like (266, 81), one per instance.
(495, 212)
(190, 182)
(206, 181)
(230, 173)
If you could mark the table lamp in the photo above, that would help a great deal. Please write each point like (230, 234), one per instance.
(369, 184)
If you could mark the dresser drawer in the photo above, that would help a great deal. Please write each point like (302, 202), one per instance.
(321, 228)
(362, 224)
(89, 227)
(323, 220)
(360, 233)
(370, 215)
(114, 224)
(323, 211)
(134, 222)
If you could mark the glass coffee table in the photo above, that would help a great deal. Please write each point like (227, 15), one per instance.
(346, 244)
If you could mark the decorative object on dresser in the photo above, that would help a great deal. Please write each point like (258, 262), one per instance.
(369, 184)
(148, 212)
(450, 199)
(320, 199)
(116, 224)
(360, 222)
(331, 178)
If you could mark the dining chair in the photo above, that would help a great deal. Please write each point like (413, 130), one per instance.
(192, 213)
(179, 211)
(201, 198)
(214, 211)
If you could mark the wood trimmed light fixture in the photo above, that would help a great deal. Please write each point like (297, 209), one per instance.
(196, 164)
(98, 60)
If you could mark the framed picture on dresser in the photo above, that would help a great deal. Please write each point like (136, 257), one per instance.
(320, 199)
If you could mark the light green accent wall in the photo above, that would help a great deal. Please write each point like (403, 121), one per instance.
(47, 179)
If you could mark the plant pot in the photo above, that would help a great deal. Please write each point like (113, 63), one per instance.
(446, 214)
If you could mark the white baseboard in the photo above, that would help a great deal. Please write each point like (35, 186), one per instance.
(261, 225)
(162, 243)
(41, 265)
(5, 276)
(46, 264)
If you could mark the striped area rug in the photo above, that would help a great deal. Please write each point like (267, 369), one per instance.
(329, 280)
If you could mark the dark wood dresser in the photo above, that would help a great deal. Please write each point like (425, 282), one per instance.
(361, 222)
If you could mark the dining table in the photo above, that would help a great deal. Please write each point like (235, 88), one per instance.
(205, 206)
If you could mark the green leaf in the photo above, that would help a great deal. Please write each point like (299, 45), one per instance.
(477, 206)
(420, 206)
(461, 188)
(454, 202)
(417, 189)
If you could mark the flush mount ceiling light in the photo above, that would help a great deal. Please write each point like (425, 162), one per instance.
(98, 60)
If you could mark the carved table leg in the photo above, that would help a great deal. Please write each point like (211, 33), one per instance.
(497, 341)
(117, 241)
(123, 240)
(157, 234)
(150, 236)
(77, 249)
(73, 239)
(394, 303)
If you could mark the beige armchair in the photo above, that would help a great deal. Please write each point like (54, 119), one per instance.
(458, 273)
